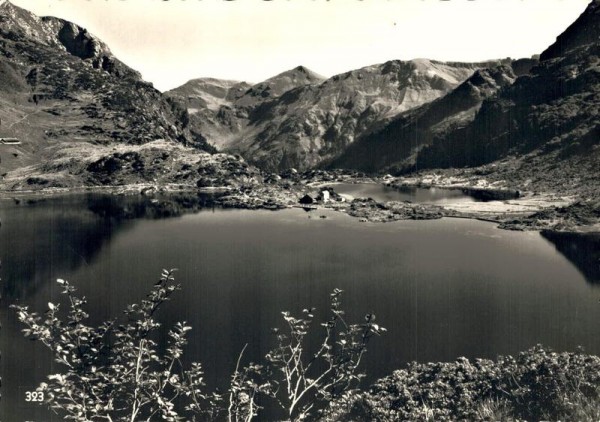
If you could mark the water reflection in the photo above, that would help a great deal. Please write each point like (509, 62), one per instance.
(382, 193)
(582, 249)
(164, 206)
(44, 237)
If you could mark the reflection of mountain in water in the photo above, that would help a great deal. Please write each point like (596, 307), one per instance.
(121, 208)
(42, 239)
(582, 249)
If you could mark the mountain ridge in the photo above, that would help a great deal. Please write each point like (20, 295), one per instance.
(313, 121)
(399, 142)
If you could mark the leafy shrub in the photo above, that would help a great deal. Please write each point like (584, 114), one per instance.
(128, 381)
(306, 384)
(117, 372)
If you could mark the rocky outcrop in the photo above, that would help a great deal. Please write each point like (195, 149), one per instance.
(78, 41)
(522, 67)
(55, 32)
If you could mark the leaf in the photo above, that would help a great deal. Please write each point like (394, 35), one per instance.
(51, 306)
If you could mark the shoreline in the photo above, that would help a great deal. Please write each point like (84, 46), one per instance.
(527, 212)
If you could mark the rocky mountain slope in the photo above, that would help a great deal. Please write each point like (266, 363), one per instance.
(398, 143)
(543, 130)
(297, 119)
(209, 103)
(82, 116)
(221, 109)
(584, 31)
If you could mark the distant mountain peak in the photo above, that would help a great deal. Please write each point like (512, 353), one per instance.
(10, 10)
(277, 85)
(299, 71)
(19, 20)
(55, 32)
(308, 72)
(209, 79)
(6, 4)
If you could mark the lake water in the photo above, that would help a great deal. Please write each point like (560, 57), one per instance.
(443, 288)
(383, 193)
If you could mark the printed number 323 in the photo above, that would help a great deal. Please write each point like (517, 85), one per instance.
(34, 396)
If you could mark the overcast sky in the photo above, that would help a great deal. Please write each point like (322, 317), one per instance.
(170, 42)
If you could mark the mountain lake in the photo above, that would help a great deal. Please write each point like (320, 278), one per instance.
(443, 288)
(382, 193)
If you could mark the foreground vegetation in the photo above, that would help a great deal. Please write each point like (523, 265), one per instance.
(536, 385)
(119, 372)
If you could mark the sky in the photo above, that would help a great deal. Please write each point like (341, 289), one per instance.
(171, 42)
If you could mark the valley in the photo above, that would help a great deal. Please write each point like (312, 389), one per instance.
(459, 201)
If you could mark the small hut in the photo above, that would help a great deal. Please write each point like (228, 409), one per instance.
(306, 200)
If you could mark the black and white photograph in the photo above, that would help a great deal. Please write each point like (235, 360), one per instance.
(299, 210)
